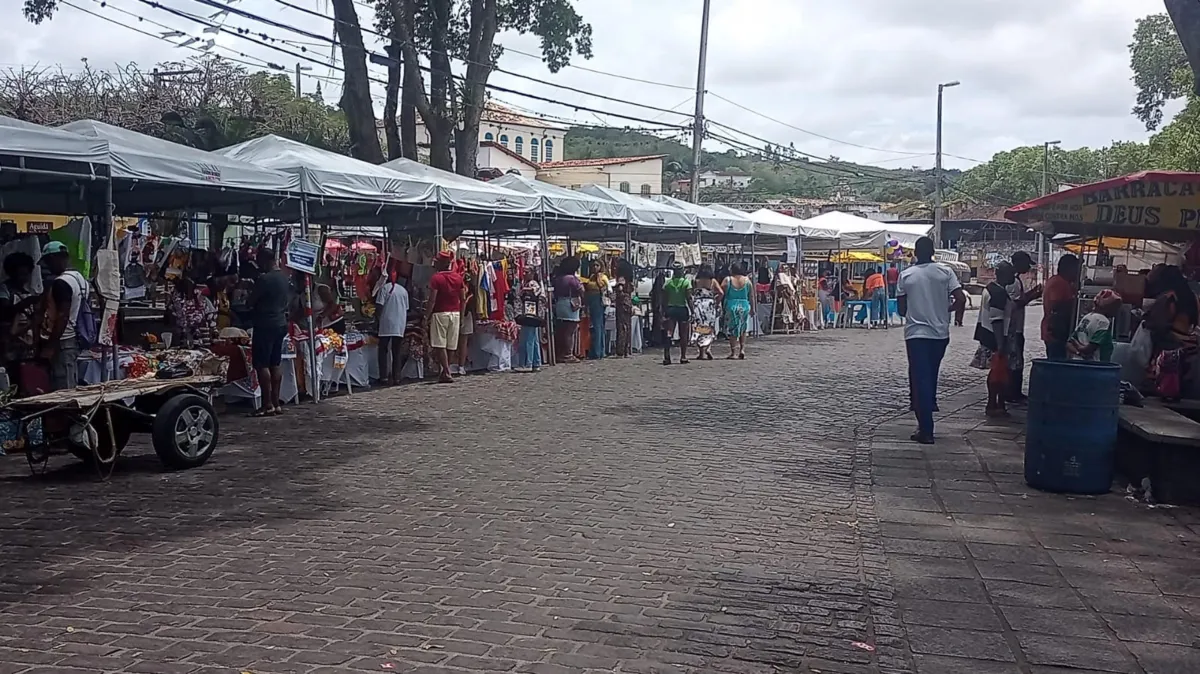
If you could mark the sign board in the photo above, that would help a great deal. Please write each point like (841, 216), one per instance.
(303, 256)
(1144, 206)
(36, 227)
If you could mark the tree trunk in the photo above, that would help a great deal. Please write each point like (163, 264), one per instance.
(392, 101)
(441, 126)
(480, 42)
(410, 93)
(356, 87)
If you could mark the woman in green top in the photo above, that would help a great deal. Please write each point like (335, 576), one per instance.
(677, 295)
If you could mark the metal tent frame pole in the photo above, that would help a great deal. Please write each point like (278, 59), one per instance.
(545, 240)
(312, 332)
(751, 275)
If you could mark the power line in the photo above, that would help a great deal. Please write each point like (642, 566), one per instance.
(377, 57)
(820, 169)
(806, 131)
(243, 34)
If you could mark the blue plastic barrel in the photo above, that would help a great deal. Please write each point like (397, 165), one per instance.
(1071, 430)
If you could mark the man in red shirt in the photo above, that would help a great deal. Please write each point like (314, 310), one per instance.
(1058, 307)
(893, 277)
(443, 313)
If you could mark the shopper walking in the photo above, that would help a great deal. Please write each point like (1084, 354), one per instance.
(926, 294)
(737, 310)
(677, 295)
(595, 290)
(443, 314)
(706, 299)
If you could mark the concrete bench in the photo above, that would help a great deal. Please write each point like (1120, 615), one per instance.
(1161, 444)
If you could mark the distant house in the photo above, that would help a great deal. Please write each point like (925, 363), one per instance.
(526, 136)
(730, 179)
(495, 158)
(635, 175)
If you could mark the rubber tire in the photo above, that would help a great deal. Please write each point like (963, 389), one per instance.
(164, 431)
(123, 432)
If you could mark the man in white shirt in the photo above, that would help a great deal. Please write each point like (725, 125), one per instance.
(926, 294)
(391, 309)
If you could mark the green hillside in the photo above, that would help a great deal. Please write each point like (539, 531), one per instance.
(780, 172)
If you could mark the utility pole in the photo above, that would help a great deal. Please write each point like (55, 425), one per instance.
(299, 69)
(698, 129)
(1042, 248)
(937, 169)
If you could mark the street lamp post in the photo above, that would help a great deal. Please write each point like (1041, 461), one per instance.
(1042, 247)
(937, 170)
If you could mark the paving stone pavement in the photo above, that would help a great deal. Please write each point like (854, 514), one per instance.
(607, 517)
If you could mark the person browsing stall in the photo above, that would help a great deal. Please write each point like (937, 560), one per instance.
(391, 310)
(443, 313)
(926, 294)
(268, 303)
(875, 290)
(1022, 263)
(18, 309)
(992, 333)
(1058, 306)
(67, 293)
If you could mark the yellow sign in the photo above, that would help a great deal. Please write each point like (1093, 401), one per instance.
(34, 224)
(1142, 203)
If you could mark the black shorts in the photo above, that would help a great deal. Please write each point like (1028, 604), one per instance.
(266, 346)
(679, 314)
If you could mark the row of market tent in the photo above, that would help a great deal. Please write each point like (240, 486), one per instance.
(84, 165)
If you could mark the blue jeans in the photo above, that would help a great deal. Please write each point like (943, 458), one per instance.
(879, 306)
(595, 304)
(924, 363)
(530, 354)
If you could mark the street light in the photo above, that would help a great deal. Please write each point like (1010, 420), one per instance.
(1042, 248)
(937, 171)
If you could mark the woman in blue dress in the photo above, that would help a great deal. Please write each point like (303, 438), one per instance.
(737, 310)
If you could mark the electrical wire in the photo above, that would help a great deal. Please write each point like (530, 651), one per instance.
(383, 58)
(245, 35)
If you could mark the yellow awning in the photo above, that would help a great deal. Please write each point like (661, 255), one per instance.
(848, 256)
(578, 247)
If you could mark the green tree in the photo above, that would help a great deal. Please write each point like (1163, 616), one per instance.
(210, 103)
(441, 31)
(1160, 68)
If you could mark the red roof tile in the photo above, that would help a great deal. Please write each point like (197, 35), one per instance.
(605, 161)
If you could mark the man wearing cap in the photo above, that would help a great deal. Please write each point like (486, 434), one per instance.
(1022, 263)
(443, 313)
(68, 291)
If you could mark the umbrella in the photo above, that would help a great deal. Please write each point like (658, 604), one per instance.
(333, 244)
(363, 247)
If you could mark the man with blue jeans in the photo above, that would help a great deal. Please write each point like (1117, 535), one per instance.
(927, 294)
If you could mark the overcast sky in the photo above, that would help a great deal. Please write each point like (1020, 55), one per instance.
(862, 72)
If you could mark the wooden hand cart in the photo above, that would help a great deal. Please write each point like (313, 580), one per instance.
(94, 423)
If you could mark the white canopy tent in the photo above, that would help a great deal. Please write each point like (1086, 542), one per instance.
(328, 174)
(151, 174)
(462, 200)
(714, 225)
(767, 221)
(40, 166)
(859, 233)
(652, 220)
(568, 212)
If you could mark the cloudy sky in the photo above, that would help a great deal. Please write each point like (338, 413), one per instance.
(859, 72)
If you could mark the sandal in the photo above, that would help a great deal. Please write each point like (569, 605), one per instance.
(261, 412)
(277, 412)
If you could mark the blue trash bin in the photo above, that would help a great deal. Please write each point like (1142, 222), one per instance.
(1071, 430)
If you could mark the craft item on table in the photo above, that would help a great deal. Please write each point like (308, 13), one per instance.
(140, 366)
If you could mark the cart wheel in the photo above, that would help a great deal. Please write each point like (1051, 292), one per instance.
(185, 431)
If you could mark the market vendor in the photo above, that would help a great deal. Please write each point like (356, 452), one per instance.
(192, 314)
(18, 310)
(68, 291)
(327, 311)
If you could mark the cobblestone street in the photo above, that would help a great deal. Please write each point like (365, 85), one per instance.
(760, 516)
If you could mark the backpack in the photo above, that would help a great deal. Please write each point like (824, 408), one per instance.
(87, 326)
